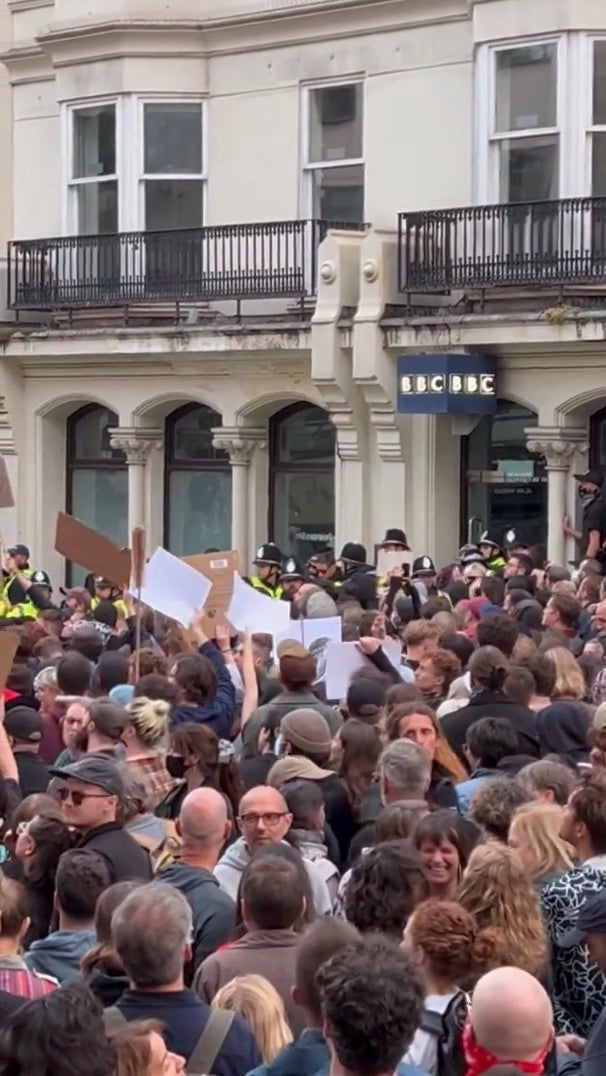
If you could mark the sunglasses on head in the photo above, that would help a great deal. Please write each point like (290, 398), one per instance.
(78, 797)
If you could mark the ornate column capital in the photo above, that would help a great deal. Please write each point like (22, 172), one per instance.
(239, 442)
(136, 442)
(558, 444)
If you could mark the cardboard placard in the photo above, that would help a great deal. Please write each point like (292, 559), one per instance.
(219, 568)
(9, 641)
(92, 550)
(388, 560)
(6, 490)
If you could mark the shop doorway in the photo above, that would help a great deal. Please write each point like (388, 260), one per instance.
(503, 485)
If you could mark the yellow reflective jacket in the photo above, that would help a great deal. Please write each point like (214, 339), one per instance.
(265, 588)
(119, 604)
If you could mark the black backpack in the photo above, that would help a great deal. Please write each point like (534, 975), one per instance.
(447, 1027)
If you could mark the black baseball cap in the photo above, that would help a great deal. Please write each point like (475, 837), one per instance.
(93, 770)
(590, 920)
(592, 475)
(24, 724)
(364, 698)
(18, 550)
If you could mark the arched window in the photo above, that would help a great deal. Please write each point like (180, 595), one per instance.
(97, 477)
(197, 488)
(302, 483)
(504, 486)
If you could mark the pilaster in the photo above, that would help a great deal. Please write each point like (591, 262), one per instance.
(558, 445)
(240, 443)
(137, 443)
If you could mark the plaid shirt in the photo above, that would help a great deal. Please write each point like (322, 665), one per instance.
(158, 780)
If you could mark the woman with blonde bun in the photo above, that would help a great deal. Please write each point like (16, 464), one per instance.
(258, 1003)
(145, 739)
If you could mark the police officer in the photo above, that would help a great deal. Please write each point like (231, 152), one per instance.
(268, 563)
(395, 541)
(108, 591)
(291, 579)
(492, 551)
(592, 535)
(14, 601)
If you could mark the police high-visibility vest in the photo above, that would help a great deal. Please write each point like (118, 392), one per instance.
(21, 611)
(119, 604)
(494, 564)
(26, 572)
(265, 588)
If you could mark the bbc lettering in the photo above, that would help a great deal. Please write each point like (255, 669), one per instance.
(454, 384)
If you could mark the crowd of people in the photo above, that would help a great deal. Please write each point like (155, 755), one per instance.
(209, 866)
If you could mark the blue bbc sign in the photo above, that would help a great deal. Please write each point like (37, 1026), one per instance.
(447, 384)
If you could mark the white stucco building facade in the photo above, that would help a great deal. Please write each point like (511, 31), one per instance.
(211, 283)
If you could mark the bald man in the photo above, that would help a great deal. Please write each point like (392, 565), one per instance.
(204, 828)
(511, 1022)
(264, 818)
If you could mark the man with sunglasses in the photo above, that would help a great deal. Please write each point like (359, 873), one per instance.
(90, 796)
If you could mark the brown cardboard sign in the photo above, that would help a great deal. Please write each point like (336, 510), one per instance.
(219, 568)
(6, 490)
(92, 550)
(9, 641)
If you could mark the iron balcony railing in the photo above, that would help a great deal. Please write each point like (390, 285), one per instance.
(523, 244)
(235, 261)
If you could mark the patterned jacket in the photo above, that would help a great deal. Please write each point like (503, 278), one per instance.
(579, 987)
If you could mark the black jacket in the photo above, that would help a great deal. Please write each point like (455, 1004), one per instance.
(125, 858)
(491, 704)
(214, 912)
(33, 773)
(563, 728)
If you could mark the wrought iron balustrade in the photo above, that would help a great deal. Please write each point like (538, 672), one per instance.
(272, 260)
(522, 244)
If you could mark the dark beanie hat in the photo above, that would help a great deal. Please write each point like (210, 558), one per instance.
(308, 730)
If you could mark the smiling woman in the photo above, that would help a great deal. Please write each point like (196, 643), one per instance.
(444, 842)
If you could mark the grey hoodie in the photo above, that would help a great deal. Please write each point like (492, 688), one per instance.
(232, 863)
(60, 953)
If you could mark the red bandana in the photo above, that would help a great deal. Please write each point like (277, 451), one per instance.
(479, 1060)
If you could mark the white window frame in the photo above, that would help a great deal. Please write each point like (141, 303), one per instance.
(488, 139)
(143, 177)
(306, 197)
(70, 183)
(590, 129)
(129, 164)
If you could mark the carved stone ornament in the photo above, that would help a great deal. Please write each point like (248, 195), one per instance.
(557, 453)
(328, 272)
(137, 444)
(370, 269)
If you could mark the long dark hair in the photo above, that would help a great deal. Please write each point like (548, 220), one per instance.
(361, 750)
(199, 740)
(52, 838)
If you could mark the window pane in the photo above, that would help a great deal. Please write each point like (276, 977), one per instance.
(304, 513)
(95, 141)
(599, 82)
(598, 187)
(100, 499)
(529, 169)
(173, 203)
(335, 123)
(338, 193)
(173, 138)
(526, 90)
(97, 208)
(191, 437)
(199, 511)
(91, 436)
(308, 436)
